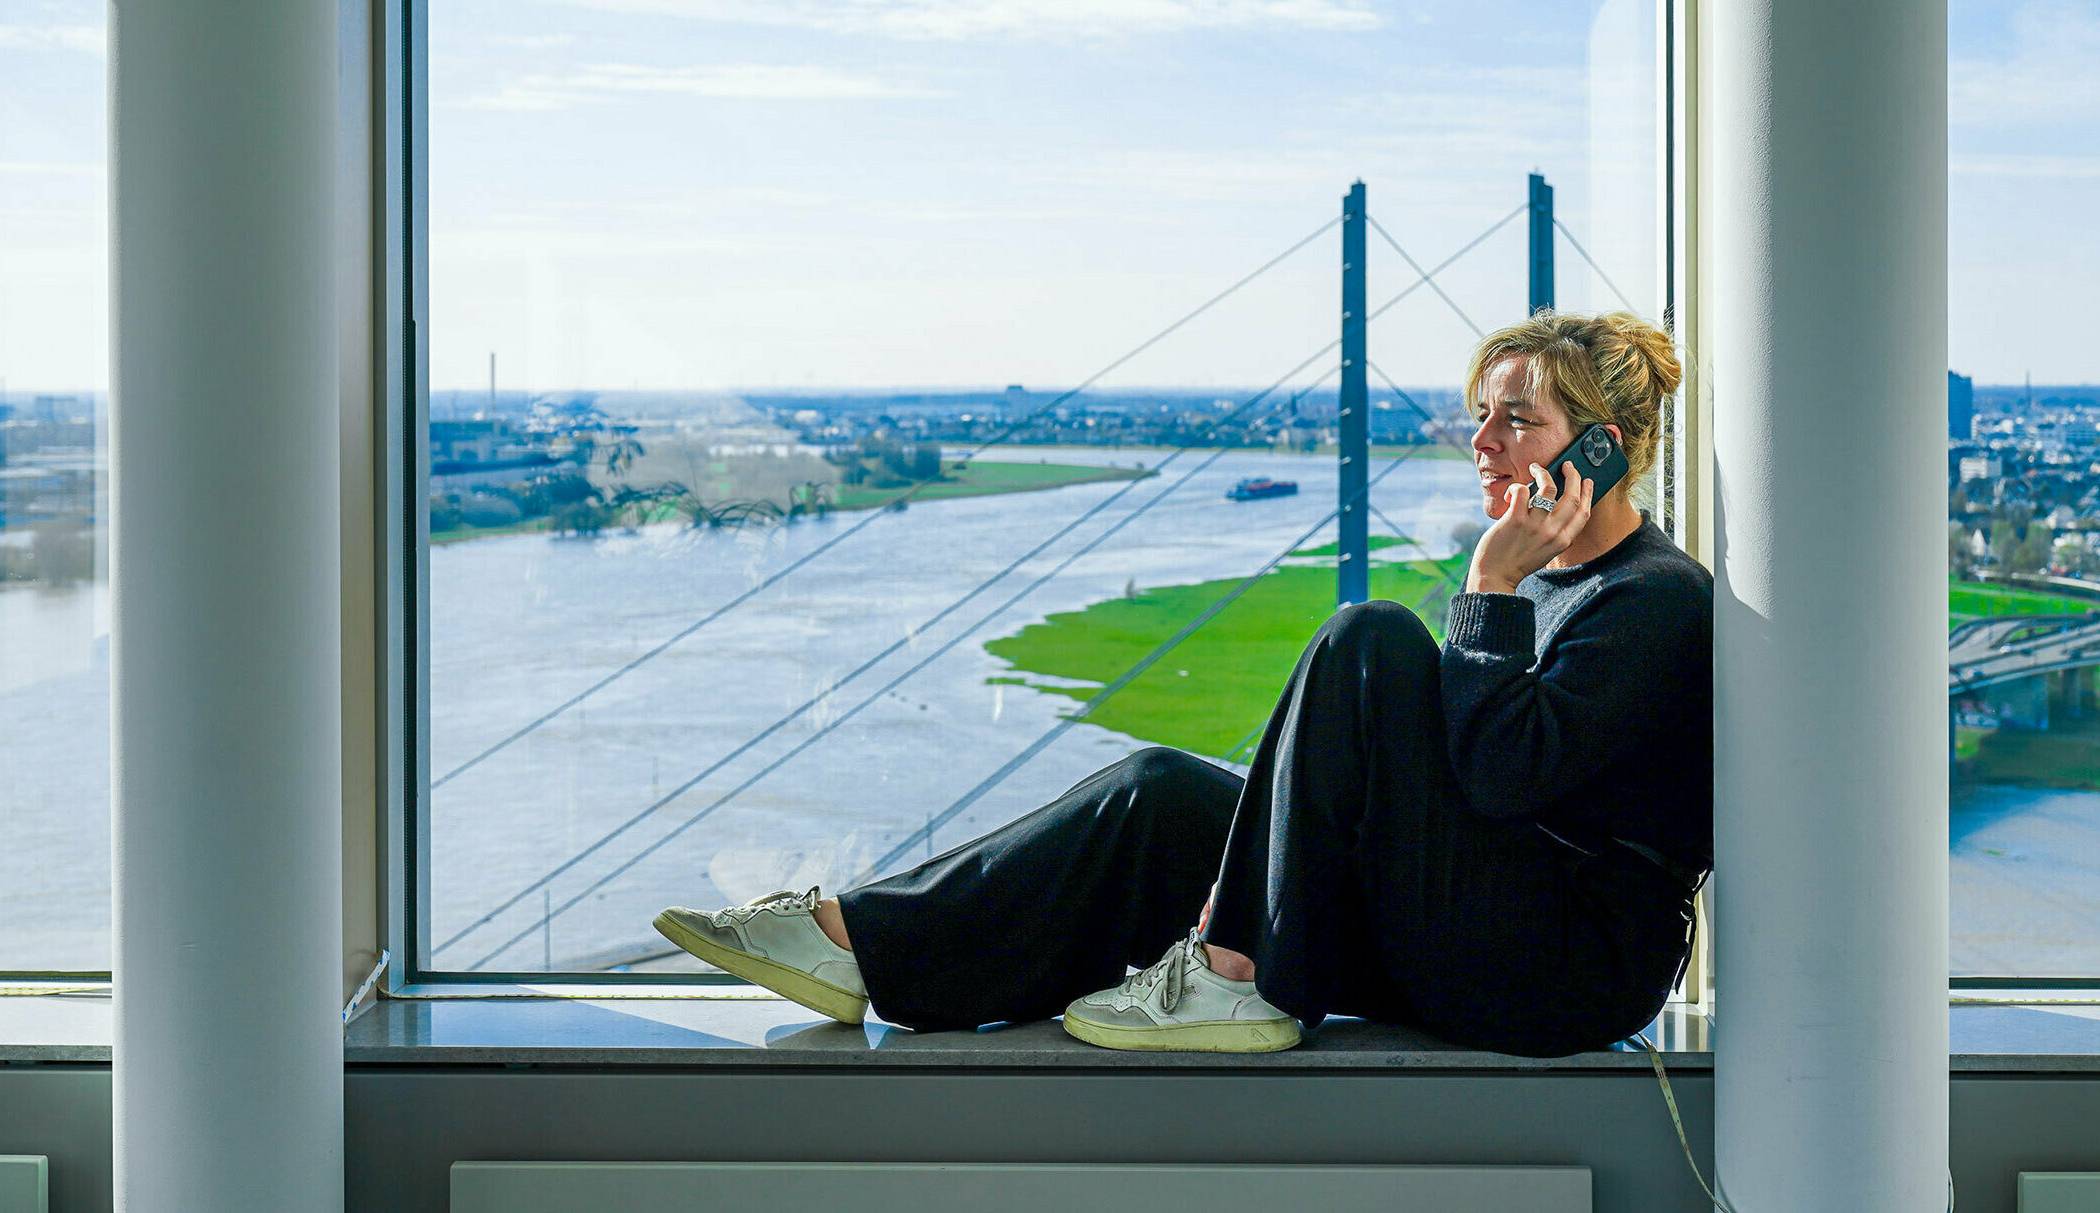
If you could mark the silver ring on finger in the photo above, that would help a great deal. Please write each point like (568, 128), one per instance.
(1543, 503)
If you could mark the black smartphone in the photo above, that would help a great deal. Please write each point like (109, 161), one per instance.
(1596, 456)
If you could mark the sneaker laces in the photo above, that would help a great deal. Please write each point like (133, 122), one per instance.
(1170, 971)
(783, 900)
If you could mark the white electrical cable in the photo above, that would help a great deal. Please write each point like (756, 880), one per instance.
(364, 988)
(1670, 1100)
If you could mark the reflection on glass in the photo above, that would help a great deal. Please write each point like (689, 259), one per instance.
(710, 291)
(2023, 513)
(54, 560)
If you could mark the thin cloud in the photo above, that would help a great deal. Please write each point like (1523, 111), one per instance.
(532, 42)
(2045, 78)
(684, 211)
(1458, 127)
(1238, 175)
(85, 38)
(957, 20)
(2039, 166)
(49, 168)
(957, 215)
(738, 81)
(1500, 102)
(524, 245)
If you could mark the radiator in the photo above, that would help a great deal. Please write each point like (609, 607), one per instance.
(700, 1187)
(25, 1183)
(2060, 1192)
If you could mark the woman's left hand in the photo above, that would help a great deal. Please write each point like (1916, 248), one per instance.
(1524, 539)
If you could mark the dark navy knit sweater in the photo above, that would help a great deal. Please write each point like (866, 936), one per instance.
(1585, 698)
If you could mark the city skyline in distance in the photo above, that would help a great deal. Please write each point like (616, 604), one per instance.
(21, 400)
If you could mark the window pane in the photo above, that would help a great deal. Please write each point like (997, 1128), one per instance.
(2023, 526)
(695, 268)
(54, 570)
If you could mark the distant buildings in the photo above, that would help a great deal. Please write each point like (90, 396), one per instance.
(2028, 459)
(53, 465)
(1981, 467)
(23, 490)
(59, 486)
(484, 451)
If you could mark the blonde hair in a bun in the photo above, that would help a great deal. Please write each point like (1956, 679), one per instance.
(1613, 367)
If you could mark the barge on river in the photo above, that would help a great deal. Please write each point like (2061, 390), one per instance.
(1256, 487)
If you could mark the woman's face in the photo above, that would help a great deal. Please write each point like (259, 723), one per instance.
(1517, 429)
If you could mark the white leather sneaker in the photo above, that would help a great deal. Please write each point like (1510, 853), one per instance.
(1180, 1004)
(774, 941)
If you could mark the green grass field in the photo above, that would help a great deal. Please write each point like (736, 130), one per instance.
(1379, 450)
(983, 479)
(1376, 542)
(1967, 600)
(2067, 756)
(528, 526)
(974, 480)
(1205, 694)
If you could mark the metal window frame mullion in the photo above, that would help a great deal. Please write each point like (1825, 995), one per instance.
(1682, 470)
(403, 545)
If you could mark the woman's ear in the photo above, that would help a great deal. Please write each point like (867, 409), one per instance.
(1615, 434)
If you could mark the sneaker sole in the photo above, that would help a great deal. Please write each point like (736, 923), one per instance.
(790, 983)
(1265, 1037)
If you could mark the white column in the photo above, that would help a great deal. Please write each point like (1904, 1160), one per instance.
(228, 1047)
(1830, 629)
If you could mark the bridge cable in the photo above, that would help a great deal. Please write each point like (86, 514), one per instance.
(1251, 734)
(660, 648)
(1410, 401)
(840, 720)
(1231, 754)
(1417, 267)
(832, 725)
(925, 832)
(910, 635)
(1451, 442)
(874, 513)
(1260, 726)
(1405, 538)
(1598, 269)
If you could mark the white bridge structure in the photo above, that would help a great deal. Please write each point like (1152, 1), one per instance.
(2022, 670)
(1988, 652)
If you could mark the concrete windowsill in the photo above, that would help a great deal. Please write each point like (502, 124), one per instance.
(775, 1033)
(613, 1027)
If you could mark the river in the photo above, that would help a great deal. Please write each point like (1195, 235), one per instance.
(522, 624)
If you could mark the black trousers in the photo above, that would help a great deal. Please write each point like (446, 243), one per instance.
(1347, 864)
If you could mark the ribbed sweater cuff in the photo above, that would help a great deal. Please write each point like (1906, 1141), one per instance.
(1492, 623)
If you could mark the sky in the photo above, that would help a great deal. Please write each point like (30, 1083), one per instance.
(871, 193)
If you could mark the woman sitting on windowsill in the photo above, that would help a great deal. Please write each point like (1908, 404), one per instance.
(1497, 842)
